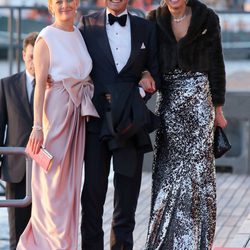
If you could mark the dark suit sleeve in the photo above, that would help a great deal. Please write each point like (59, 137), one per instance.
(3, 115)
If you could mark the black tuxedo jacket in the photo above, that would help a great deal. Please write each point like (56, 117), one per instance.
(15, 113)
(107, 80)
(104, 73)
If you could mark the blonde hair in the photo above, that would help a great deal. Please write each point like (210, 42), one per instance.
(50, 7)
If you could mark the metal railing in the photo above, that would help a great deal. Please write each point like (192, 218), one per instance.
(27, 199)
(2, 188)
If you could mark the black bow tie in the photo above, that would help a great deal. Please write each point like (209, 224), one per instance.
(121, 19)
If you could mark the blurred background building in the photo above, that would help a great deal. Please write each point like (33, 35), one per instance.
(33, 16)
(145, 5)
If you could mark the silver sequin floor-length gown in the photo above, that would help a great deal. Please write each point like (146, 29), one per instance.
(183, 209)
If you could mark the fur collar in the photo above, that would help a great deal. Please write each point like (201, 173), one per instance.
(197, 23)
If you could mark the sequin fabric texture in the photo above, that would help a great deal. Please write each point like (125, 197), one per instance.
(183, 209)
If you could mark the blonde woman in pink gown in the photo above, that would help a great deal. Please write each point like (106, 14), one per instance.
(59, 124)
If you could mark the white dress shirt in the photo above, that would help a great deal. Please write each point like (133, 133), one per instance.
(120, 43)
(29, 83)
(119, 40)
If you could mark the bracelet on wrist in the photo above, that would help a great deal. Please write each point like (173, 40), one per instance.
(37, 127)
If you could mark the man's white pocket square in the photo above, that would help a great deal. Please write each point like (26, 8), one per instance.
(143, 46)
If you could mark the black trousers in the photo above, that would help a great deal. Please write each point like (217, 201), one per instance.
(97, 168)
(18, 217)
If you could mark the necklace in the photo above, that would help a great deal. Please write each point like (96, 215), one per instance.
(179, 19)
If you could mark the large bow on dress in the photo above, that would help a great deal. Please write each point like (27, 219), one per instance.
(81, 93)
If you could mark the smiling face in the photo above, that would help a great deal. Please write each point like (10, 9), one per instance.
(63, 10)
(116, 7)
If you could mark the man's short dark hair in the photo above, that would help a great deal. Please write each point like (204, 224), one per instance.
(30, 39)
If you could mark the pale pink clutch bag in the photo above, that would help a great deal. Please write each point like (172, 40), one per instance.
(43, 158)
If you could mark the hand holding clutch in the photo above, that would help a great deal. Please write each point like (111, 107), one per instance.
(43, 158)
(221, 143)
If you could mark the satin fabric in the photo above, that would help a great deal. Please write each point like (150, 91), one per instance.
(56, 194)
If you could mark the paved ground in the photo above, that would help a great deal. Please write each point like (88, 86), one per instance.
(233, 192)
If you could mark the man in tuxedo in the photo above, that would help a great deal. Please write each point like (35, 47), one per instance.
(122, 47)
(16, 112)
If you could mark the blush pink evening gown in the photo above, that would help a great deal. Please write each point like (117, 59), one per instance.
(56, 194)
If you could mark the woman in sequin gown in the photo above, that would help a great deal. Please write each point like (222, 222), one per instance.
(183, 209)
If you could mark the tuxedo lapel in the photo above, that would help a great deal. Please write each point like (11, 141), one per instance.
(135, 42)
(103, 38)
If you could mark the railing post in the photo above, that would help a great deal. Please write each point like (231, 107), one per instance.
(27, 199)
(11, 46)
(19, 47)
